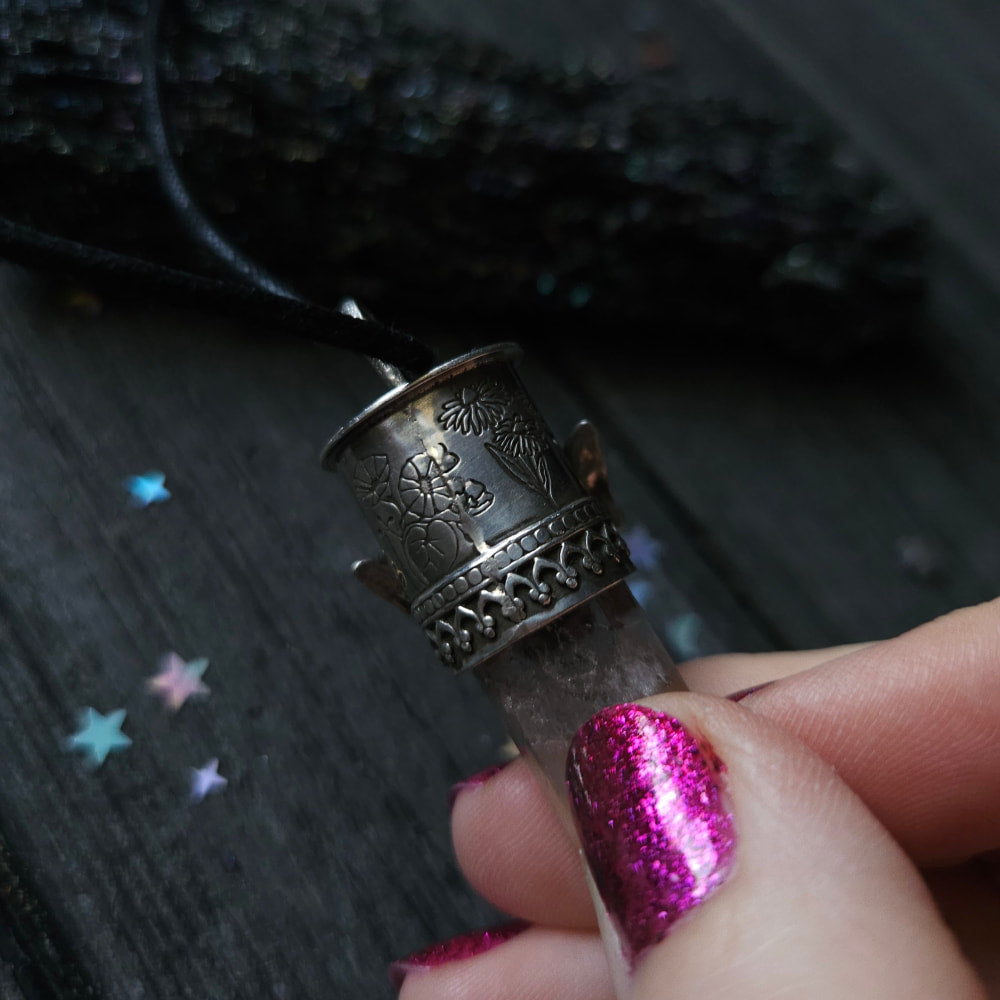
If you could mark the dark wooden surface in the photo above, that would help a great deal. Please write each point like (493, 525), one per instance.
(779, 494)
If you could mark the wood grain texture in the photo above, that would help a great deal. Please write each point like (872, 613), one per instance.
(319, 727)
(338, 732)
(778, 494)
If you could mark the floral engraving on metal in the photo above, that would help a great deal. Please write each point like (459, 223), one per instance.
(421, 510)
(487, 531)
(519, 439)
(521, 577)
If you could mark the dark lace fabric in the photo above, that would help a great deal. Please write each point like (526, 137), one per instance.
(436, 179)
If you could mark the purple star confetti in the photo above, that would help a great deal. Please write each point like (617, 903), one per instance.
(147, 488)
(177, 681)
(643, 547)
(206, 780)
(99, 735)
(920, 559)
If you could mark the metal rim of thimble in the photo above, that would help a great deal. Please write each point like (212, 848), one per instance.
(398, 397)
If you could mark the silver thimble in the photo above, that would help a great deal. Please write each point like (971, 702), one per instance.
(486, 530)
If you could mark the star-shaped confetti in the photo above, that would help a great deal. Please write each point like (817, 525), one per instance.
(684, 635)
(643, 547)
(642, 591)
(206, 780)
(177, 681)
(147, 488)
(99, 734)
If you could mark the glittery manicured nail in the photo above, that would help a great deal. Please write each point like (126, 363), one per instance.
(464, 946)
(474, 781)
(648, 805)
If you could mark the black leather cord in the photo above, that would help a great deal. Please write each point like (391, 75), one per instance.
(167, 170)
(253, 305)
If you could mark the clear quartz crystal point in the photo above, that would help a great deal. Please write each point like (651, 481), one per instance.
(602, 652)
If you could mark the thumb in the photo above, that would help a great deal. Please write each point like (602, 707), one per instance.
(732, 861)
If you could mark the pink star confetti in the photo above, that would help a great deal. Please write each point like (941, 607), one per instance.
(177, 681)
(206, 780)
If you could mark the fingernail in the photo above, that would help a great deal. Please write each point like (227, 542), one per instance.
(454, 949)
(480, 778)
(745, 692)
(651, 818)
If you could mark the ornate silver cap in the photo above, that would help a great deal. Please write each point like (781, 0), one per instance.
(486, 526)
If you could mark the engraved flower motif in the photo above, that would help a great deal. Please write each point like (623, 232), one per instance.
(475, 409)
(476, 497)
(423, 485)
(433, 547)
(519, 435)
(371, 480)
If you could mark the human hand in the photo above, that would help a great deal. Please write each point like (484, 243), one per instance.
(822, 897)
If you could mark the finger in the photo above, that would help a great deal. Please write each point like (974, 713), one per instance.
(732, 861)
(540, 877)
(728, 672)
(532, 868)
(912, 725)
(517, 853)
(539, 964)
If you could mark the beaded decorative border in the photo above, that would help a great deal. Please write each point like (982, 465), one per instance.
(525, 575)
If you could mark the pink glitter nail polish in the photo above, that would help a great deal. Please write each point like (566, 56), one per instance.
(454, 949)
(648, 806)
(474, 781)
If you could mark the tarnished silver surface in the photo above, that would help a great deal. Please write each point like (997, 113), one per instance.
(586, 459)
(478, 510)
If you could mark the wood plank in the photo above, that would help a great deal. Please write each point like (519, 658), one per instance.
(808, 481)
(328, 853)
(336, 731)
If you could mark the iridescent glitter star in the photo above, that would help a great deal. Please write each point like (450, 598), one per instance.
(99, 734)
(643, 547)
(206, 780)
(147, 488)
(177, 681)
(642, 591)
(684, 635)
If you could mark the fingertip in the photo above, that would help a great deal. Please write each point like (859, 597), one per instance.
(457, 949)
(474, 781)
(517, 853)
(538, 964)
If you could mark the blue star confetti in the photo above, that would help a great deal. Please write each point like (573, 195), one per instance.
(643, 547)
(206, 780)
(147, 488)
(99, 735)
(642, 591)
(684, 635)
